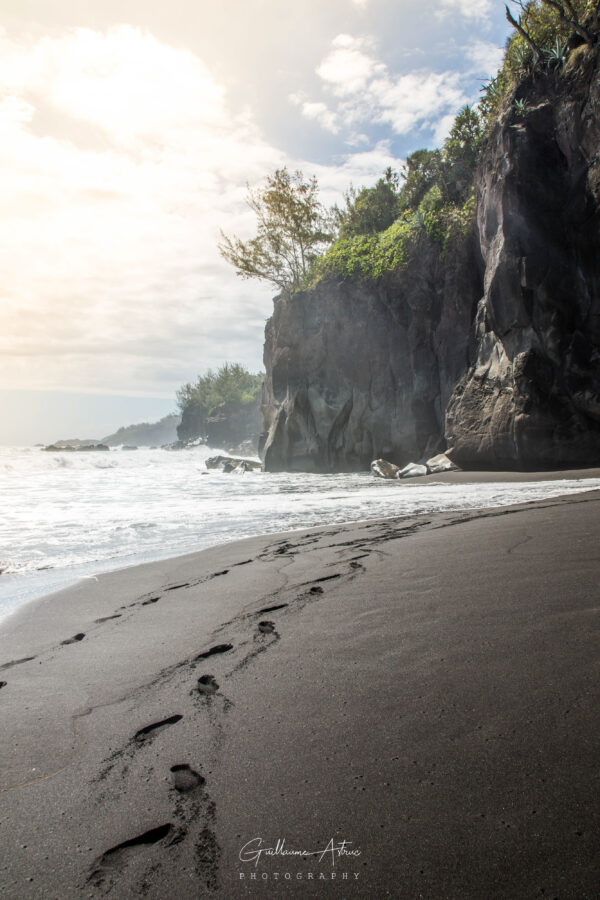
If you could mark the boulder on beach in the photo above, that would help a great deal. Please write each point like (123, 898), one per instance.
(384, 469)
(440, 463)
(412, 470)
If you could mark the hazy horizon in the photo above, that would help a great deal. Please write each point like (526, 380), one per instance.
(60, 415)
(129, 133)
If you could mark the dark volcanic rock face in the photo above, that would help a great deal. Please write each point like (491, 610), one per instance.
(363, 369)
(492, 351)
(531, 396)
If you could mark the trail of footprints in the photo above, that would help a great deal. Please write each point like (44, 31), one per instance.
(193, 810)
(191, 804)
(388, 530)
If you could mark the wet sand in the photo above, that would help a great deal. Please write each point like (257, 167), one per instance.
(421, 693)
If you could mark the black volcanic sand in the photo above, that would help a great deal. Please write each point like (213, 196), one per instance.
(423, 689)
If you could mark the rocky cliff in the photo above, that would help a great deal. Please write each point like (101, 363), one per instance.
(531, 395)
(492, 350)
(361, 369)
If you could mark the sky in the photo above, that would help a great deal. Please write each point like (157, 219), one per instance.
(129, 131)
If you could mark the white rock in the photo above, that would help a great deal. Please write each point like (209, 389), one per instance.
(384, 469)
(412, 470)
(440, 463)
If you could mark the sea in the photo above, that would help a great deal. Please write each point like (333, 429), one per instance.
(71, 516)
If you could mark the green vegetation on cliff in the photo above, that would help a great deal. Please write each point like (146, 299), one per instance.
(380, 228)
(231, 383)
(546, 32)
(222, 407)
(435, 199)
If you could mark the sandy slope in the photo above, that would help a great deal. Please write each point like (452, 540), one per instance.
(426, 692)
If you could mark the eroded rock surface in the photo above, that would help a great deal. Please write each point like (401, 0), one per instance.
(531, 395)
(362, 369)
(493, 349)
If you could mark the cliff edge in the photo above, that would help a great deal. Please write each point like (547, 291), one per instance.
(491, 348)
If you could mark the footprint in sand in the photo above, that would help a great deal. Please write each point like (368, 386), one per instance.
(2, 684)
(118, 855)
(107, 619)
(266, 627)
(207, 684)
(150, 730)
(73, 640)
(268, 609)
(150, 600)
(218, 648)
(283, 548)
(185, 779)
(316, 590)
(17, 662)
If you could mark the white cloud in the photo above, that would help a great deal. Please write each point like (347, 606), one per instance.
(407, 101)
(348, 69)
(485, 56)
(470, 9)
(361, 4)
(442, 129)
(367, 92)
(321, 114)
(317, 111)
(120, 159)
(108, 253)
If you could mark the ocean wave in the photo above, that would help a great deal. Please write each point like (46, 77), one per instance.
(154, 504)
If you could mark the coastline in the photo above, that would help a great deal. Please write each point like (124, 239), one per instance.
(19, 590)
(424, 692)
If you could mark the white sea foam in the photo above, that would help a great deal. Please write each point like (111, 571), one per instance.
(67, 516)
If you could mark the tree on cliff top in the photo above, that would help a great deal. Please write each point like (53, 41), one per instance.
(369, 210)
(292, 230)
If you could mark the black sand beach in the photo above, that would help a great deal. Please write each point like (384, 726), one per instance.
(422, 692)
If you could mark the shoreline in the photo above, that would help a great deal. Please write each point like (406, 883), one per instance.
(67, 577)
(420, 687)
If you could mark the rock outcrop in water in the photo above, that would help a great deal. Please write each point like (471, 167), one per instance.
(75, 446)
(229, 464)
(235, 427)
(493, 350)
